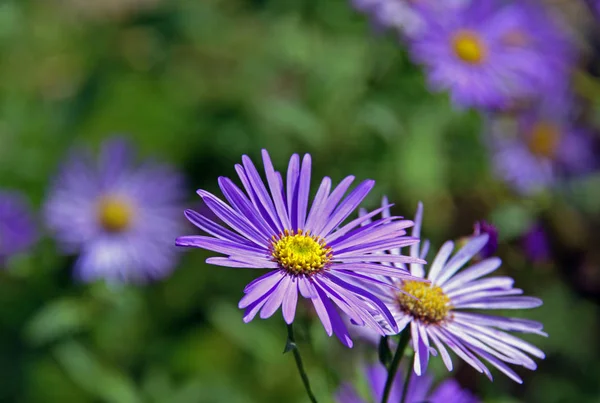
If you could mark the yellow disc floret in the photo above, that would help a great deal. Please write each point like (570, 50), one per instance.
(300, 253)
(426, 302)
(468, 47)
(544, 139)
(114, 214)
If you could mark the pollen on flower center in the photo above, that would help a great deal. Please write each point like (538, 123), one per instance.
(544, 139)
(431, 306)
(468, 47)
(114, 214)
(300, 253)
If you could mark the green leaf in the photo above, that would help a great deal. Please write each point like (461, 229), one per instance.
(56, 320)
(102, 381)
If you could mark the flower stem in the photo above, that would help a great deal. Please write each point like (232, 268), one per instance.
(290, 345)
(404, 338)
(405, 387)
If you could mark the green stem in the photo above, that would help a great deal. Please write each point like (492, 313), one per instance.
(404, 338)
(291, 346)
(406, 382)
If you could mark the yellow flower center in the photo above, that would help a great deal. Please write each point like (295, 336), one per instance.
(544, 139)
(114, 214)
(431, 306)
(468, 47)
(300, 253)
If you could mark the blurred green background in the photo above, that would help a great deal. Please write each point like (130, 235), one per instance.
(198, 83)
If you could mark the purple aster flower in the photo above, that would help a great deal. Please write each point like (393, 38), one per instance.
(418, 391)
(436, 313)
(535, 244)
(120, 217)
(489, 53)
(307, 249)
(545, 148)
(18, 231)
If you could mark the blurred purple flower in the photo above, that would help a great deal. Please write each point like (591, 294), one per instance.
(483, 227)
(489, 53)
(305, 248)
(402, 15)
(418, 391)
(436, 318)
(18, 231)
(121, 218)
(545, 148)
(535, 244)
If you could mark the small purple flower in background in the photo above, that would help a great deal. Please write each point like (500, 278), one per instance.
(306, 248)
(402, 15)
(483, 227)
(120, 217)
(535, 244)
(544, 148)
(18, 231)
(437, 317)
(488, 54)
(418, 391)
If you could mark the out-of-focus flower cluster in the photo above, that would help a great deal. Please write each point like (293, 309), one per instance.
(515, 61)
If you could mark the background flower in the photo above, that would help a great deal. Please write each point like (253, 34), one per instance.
(489, 54)
(121, 218)
(418, 391)
(18, 231)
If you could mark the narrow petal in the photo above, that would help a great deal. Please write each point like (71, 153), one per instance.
(503, 303)
(363, 218)
(212, 228)
(263, 285)
(347, 206)
(290, 301)
(322, 218)
(442, 349)
(318, 203)
(260, 191)
(440, 261)
(303, 190)
(244, 206)
(220, 246)
(461, 257)
(417, 269)
(493, 283)
(276, 298)
(232, 218)
(276, 190)
(293, 174)
(476, 271)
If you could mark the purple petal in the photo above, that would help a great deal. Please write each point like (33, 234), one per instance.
(263, 285)
(293, 174)
(276, 298)
(440, 261)
(321, 219)
(276, 190)
(261, 191)
(461, 257)
(290, 301)
(480, 269)
(232, 218)
(347, 206)
(503, 303)
(220, 246)
(213, 229)
(318, 203)
(303, 190)
(363, 218)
